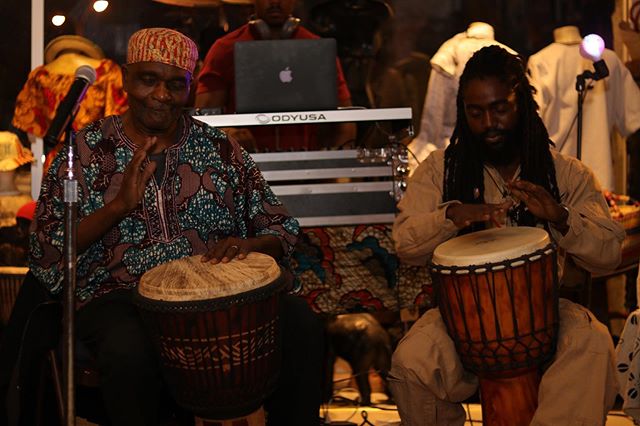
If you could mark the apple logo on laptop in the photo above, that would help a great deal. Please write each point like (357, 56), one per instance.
(286, 75)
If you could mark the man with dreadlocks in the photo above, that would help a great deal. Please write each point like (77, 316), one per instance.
(499, 170)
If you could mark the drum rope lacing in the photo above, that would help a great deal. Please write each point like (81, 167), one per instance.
(481, 350)
(216, 357)
(493, 266)
(251, 296)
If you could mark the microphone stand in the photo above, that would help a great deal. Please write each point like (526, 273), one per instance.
(600, 71)
(581, 86)
(70, 256)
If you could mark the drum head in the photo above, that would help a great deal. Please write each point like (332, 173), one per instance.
(490, 246)
(190, 279)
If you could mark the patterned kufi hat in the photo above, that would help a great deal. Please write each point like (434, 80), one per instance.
(162, 45)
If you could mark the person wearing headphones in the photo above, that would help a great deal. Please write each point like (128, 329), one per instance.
(273, 20)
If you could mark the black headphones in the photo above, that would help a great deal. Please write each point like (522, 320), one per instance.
(261, 30)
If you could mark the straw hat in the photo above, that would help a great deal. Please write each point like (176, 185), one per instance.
(72, 42)
(12, 153)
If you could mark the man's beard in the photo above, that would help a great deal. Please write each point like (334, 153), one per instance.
(500, 153)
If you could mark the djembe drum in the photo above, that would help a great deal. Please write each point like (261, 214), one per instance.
(497, 293)
(216, 329)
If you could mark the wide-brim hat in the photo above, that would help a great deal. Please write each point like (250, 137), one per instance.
(74, 43)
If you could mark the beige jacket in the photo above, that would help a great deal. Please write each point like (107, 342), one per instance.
(593, 240)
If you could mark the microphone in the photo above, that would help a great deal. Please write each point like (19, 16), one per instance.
(592, 47)
(66, 112)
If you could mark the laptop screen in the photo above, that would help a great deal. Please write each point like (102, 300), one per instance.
(285, 75)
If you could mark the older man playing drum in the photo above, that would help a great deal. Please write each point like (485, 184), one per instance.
(500, 170)
(155, 186)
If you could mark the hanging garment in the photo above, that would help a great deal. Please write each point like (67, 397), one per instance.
(44, 90)
(611, 102)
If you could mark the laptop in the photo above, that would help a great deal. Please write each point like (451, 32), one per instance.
(285, 75)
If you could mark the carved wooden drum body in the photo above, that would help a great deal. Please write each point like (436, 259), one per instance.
(217, 331)
(497, 293)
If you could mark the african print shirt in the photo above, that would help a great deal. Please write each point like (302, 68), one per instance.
(211, 189)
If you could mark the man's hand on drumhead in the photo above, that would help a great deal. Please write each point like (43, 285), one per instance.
(463, 215)
(135, 178)
(539, 202)
(226, 249)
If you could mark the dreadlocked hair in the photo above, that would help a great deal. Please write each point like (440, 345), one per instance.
(463, 167)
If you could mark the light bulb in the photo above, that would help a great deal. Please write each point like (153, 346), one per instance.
(100, 5)
(58, 20)
(592, 47)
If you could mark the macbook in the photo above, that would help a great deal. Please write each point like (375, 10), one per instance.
(285, 75)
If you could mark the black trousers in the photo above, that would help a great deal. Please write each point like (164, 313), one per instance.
(134, 393)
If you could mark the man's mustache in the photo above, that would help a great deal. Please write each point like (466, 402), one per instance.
(493, 133)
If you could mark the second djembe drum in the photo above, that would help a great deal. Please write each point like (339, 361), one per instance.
(497, 293)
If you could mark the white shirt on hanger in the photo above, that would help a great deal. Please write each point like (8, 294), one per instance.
(611, 102)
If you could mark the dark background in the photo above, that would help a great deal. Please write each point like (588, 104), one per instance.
(417, 25)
